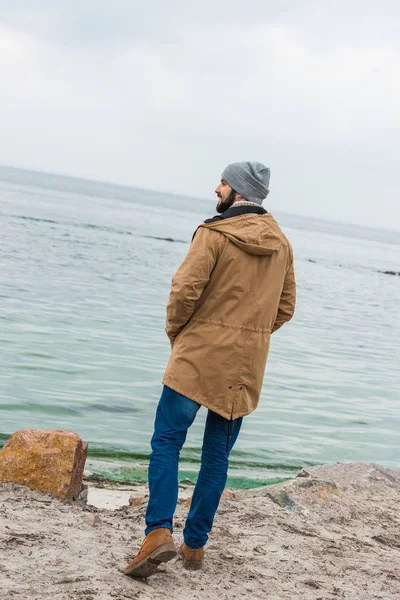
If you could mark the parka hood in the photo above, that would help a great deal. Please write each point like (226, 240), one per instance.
(253, 233)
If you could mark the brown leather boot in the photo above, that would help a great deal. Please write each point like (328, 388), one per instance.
(157, 547)
(192, 559)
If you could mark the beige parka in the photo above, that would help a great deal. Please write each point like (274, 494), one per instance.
(235, 287)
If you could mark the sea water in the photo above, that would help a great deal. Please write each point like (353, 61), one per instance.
(85, 278)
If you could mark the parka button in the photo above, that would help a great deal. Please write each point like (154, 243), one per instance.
(241, 387)
(230, 387)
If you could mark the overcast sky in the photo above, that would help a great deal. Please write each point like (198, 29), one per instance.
(163, 94)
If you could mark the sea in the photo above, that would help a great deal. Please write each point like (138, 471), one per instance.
(86, 269)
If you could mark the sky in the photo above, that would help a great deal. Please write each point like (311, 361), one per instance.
(163, 95)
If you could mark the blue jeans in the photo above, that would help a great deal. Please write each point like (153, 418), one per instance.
(175, 414)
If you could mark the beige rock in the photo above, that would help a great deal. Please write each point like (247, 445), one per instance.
(48, 461)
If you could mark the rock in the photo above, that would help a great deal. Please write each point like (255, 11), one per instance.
(281, 497)
(92, 519)
(48, 461)
(360, 475)
(228, 495)
(136, 500)
(336, 492)
(291, 494)
(390, 273)
(303, 473)
(83, 495)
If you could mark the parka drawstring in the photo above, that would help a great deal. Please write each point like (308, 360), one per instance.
(228, 439)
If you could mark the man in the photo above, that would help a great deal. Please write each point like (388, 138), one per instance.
(235, 287)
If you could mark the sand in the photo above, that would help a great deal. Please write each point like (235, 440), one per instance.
(334, 532)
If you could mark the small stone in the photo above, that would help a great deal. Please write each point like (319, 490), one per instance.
(83, 495)
(48, 461)
(303, 473)
(136, 500)
(280, 497)
(228, 495)
(92, 519)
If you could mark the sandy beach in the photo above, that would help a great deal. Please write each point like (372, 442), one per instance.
(333, 532)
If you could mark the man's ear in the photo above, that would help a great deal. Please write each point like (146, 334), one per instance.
(239, 197)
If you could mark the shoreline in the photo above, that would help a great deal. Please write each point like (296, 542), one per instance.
(131, 474)
(332, 532)
(108, 496)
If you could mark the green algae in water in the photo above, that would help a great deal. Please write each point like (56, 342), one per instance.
(185, 477)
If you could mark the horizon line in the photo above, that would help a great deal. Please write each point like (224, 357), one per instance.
(180, 195)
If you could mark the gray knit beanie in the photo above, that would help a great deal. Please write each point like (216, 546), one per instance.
(249, 179)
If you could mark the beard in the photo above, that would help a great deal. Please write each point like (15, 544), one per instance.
(223, 205)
